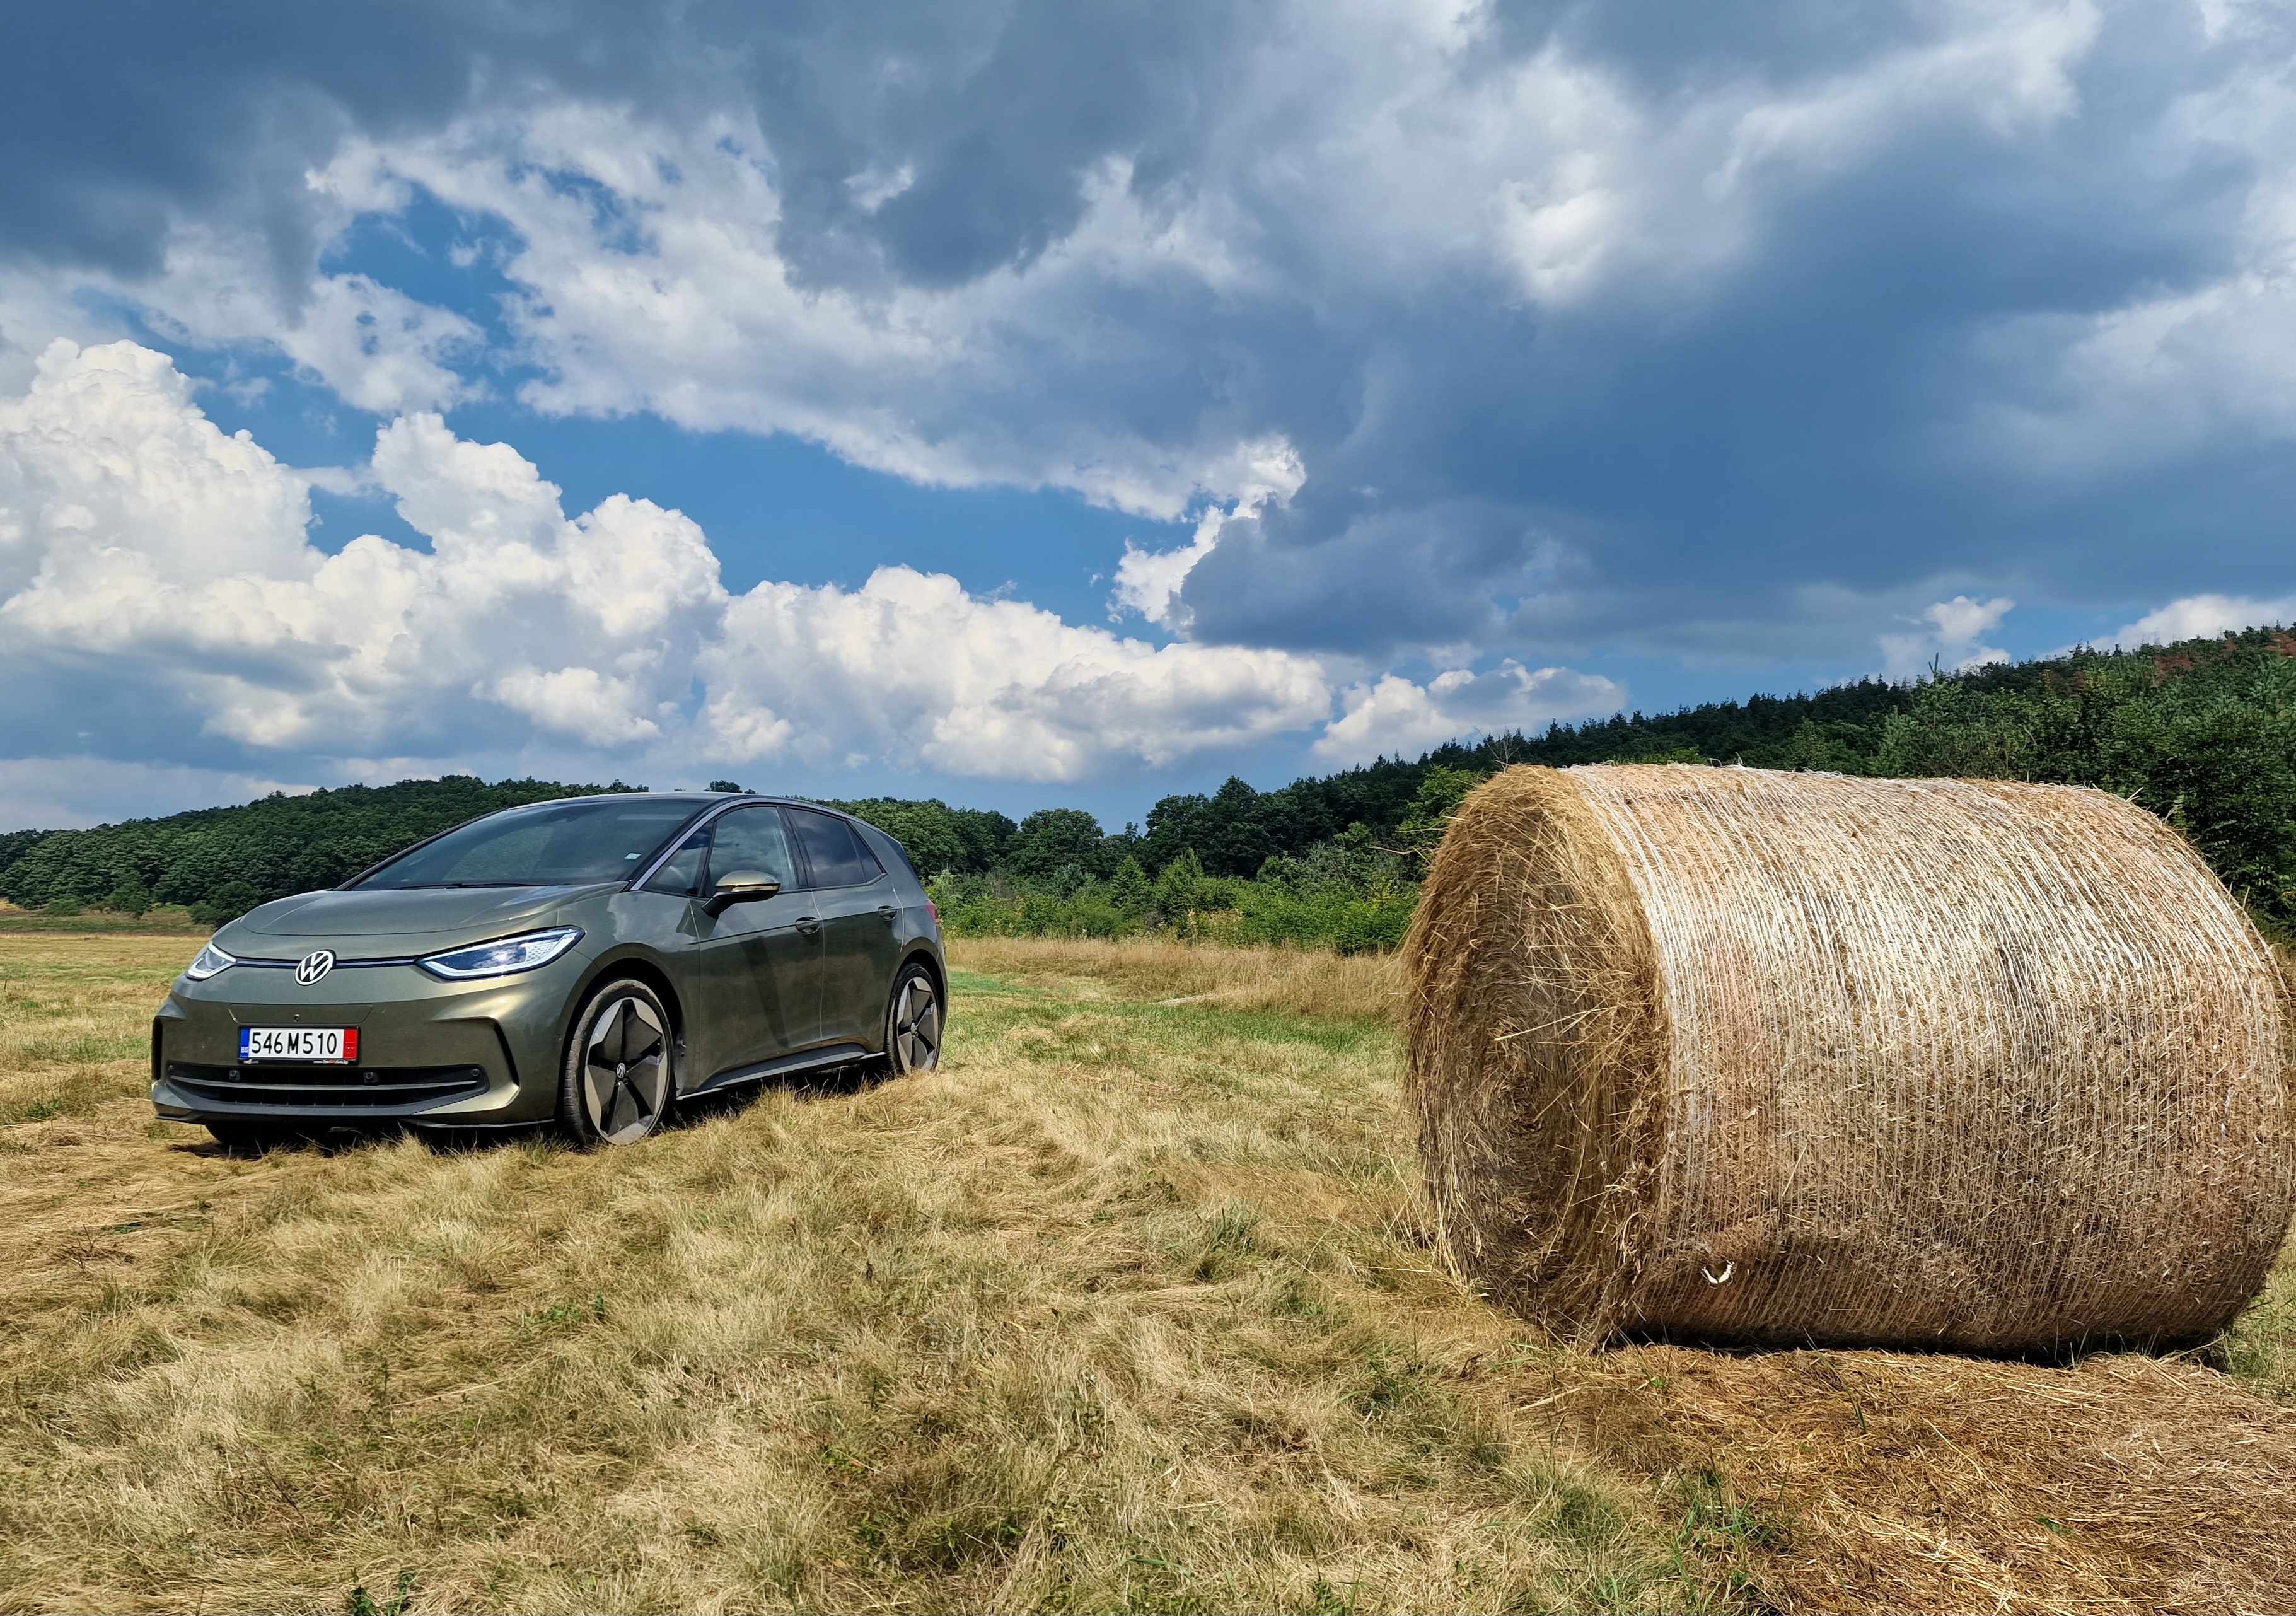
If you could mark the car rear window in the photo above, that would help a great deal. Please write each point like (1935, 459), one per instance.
(834, 852)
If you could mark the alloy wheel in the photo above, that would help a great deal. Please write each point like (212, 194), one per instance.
(916, 1024)
(625, 1072)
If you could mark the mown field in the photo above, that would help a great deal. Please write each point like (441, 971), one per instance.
(1130, 1307)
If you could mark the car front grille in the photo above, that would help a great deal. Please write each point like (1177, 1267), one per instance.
(332, 1088)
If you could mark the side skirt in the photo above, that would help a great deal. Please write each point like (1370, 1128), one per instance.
(805, 1059)
(422, 1126)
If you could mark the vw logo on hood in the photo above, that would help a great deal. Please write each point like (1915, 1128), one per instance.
(314, 965)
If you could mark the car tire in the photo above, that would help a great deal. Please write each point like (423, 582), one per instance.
(620, 1072)
(914, 1023)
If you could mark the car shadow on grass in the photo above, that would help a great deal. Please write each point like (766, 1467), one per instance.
(835, 1083)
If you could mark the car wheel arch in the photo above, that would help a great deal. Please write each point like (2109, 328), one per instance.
(933, 969)
(636, 965)
(931, 963)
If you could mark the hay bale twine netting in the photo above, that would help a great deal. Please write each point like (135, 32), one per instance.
(1735, 1055)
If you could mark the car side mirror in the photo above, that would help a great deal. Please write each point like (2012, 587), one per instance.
(739, 887)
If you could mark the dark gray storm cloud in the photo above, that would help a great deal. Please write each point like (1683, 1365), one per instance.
(116, 118)
(998, 110)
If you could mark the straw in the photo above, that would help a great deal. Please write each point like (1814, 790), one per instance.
(1744, 1056)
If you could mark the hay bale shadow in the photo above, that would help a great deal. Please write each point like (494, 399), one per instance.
(1860, 1481)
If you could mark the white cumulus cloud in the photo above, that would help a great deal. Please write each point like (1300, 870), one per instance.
(141, 546)
(1949, 643)
(2202, 614)
(911, 667)
(1392, 716)
(136, 534)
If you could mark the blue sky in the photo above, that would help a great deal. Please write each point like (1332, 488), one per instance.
(1029, 404)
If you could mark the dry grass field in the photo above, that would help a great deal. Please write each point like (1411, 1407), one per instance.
(1130, 1306)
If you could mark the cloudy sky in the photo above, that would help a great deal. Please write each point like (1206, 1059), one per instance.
(1026, 402)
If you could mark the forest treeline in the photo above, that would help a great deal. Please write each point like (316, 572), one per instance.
(2202, 733)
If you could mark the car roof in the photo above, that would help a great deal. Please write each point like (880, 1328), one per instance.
(711, 799)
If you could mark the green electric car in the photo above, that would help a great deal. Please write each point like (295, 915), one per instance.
(584, 963)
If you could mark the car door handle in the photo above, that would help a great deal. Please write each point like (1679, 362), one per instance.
(807, 925)
(886, 912)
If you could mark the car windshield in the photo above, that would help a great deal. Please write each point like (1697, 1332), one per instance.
(551, 844)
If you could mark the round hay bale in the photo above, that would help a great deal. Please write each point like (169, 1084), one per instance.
(1733, 1055)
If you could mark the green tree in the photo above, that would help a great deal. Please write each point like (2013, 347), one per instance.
(938, 838)
(130, 896)
(1231, 834)
(1672, 754)
(227, 902)
(1128, 891)
(1441, 790)
(1179, 888)
(15, 844)
(1050, 837)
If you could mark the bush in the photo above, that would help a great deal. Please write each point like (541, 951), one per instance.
(1347, 895)
(1352, 921)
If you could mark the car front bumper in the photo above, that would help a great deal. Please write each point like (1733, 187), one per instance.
(464, 1054)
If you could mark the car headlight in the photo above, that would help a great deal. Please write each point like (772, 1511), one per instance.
(209, 961)
(511, 953)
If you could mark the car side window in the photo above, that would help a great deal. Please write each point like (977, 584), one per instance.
(834, 852)
(681, 875)
(751, 839)
(901, 853)
(867, 867)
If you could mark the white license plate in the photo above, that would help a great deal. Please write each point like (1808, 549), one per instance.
(339, 1044)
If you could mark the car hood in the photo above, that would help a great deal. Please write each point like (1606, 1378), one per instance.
(429, 913)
